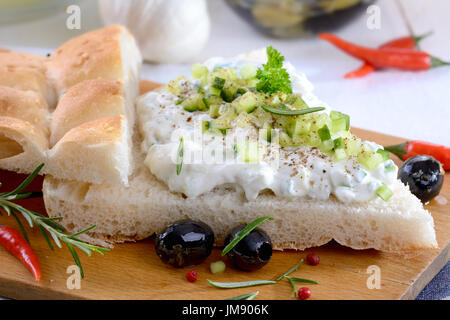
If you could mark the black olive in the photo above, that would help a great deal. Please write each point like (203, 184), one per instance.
(251, 253)
(424, 176)
(185, 243)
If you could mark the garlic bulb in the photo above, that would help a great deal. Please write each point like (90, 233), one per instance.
(167, 31)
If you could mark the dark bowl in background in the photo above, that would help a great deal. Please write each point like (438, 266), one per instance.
(296, 18)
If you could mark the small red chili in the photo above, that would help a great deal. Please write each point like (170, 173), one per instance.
(304, 293)
(387, 57)
(16, 244)
(409, 42)
(414, 148)
(191, 276)
(312, 259)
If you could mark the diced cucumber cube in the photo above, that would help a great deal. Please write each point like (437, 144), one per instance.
(266, 132)
(213, 91)
(390, 167)
(243, 120)
(384, 154)
(214, 110)
(318, 120)
(218, 83)
(229, 90)
(302, 126)
(206, 103)
(338, 143)
(384, 192)
(215, 100)
(326, 146)
(285, 140)
(205, 126)
(262, 116)
(220, 123)
(198, 70)
(313, 139)
(334, 115)
(248, 71)
(217, 267)
(241, 91)
(300, 140)
(174, 86)
(252, 83)
(371, 160)
(339, 154)
(246, 102)
(193, 103)
(324, 133)
(353, 145)
(338, 125)
(248, 151)
(226, 73)
(299, 103)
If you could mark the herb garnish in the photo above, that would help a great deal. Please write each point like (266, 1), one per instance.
(180, 153)
(288, 112)
(247, 296)
(302, 280)
(44, 223)
(244, 284)
(294, 268)
(273, 77)
(294, 287)
(243, 233)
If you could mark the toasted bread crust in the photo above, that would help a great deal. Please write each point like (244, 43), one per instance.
(93, 55)
(84, 102)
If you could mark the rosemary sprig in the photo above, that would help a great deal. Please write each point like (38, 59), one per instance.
(247, 296)
(294, 268)
(45, 224)
(302, 280)
(244, 284)
(243, 233)
(288, 112)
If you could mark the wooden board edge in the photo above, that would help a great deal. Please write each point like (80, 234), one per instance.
(427, 274)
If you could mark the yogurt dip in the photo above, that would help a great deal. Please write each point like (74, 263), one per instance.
(241, 158)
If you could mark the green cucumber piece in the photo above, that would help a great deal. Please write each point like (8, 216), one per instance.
(324, 133)
(248, 151)
(246, 102)
(384, 192)
(214, 110)
(384, 154)
(335, 115)
(229, 90)
(248, 71)
(198, 70)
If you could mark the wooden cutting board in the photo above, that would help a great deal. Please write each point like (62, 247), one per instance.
(133, 271)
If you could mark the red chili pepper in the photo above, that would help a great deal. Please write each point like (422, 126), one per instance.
(414, 148)
(409, 42)
(386, 58)
(16, 244)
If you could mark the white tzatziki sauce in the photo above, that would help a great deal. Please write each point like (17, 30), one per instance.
(210, 161)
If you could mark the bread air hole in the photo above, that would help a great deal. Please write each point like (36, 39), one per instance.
(9, 148)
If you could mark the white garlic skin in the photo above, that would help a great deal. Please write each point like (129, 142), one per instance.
(167, 31)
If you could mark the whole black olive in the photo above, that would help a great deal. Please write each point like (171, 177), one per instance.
(185, 243)
(251, 253)
(424, 176)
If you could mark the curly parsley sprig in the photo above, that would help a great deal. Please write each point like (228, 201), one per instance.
(43, 223)
(273, 77)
